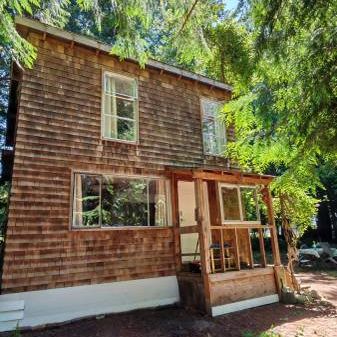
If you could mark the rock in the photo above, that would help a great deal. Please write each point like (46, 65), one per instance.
(301, 299)
(314, 294)
(288, 296)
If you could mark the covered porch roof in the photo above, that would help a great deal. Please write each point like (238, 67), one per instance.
(215, 173)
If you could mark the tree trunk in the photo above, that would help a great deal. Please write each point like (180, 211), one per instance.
(291, 241)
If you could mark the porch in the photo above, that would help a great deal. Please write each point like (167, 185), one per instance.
(226, 247)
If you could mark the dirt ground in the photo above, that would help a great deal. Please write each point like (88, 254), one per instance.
(287, 320)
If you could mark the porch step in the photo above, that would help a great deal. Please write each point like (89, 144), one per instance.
(11, 312)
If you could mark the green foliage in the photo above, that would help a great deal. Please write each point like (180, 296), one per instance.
(125, 203)
(16, 332)
(10, 41)
(53, 12)
(172, 30)
(263, 146)
(123, 23)
(91, 211)
(231, 57)
(182, 32)
(297, 39)
(262, 334)
(284, 105)
(4, 197)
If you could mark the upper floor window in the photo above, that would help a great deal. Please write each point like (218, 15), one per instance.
(101, 200)
(119, 108)
(213, 130)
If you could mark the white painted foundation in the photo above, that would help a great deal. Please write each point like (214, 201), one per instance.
(246, 304)
(63, 304)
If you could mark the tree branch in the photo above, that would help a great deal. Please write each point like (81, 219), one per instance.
(188, 15)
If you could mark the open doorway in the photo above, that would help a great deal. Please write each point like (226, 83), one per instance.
(189, 238)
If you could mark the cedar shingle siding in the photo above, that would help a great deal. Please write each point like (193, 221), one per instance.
(59, 130)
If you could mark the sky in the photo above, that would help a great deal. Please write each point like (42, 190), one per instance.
(231, 4)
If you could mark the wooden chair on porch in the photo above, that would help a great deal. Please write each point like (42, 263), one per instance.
(219, 262)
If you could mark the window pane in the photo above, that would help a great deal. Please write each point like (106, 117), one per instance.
(124, 202)
(117, 128)
(126, 130)
(262, 209)
(86, 210)
(110, 127)
(109, 84)
(230, 203)
(220, 138)
(125, 108)
(189, 244)
(109, 105)
(118, 85)
(209, 136)
(157, 203)
(119, 105)
(214, 134)
(249, 204)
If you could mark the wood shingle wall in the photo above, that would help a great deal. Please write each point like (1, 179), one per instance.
(58, 131)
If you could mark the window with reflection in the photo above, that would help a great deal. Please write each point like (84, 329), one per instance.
(239, 203)
(249, 204)
(230, 203)
(213, 129)
(119, 107)
(86, 201)
(114, 201)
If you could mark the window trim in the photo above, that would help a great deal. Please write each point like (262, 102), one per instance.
(120, 175)
(136, 119)
(241, 221)
(210, 99)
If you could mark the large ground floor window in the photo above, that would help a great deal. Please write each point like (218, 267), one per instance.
(115, 201)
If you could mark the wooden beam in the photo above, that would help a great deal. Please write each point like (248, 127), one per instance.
(235, 275)
(241, 225)
(204, 237)
(180, 174)
(250, 249)
(237, 249)
(222, 251)
(190, 254)
(232, 177)
(262, 249)
(189, 229)
(274, 242)
(175, 222)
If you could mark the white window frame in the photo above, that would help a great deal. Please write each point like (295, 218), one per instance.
(224, 140)
(136, 112)
(124, 176)
(241, 221)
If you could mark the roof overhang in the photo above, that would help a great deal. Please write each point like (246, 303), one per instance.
(92, 43)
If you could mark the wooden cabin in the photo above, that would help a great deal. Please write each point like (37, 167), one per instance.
(121, 198)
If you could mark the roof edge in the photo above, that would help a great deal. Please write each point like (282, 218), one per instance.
(90, 42)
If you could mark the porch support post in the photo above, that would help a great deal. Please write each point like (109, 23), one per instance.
(204, 238)
(273, 232)
(175, 221)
